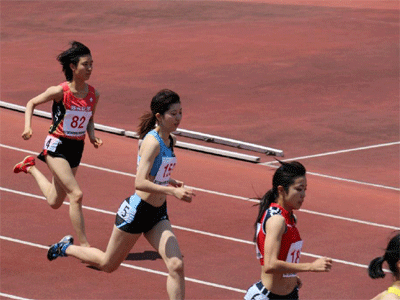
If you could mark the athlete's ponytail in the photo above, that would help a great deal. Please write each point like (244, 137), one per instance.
(284, 176)
(160, 103)
(375, 268)
(147, 123)
(392, 257)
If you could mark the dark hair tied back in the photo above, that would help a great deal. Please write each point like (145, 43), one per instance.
(392, 257)
(375, 268)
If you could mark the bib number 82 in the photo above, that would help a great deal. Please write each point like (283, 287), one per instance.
(76, 122)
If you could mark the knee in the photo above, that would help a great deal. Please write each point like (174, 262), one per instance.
(175, 266)
(75, 197)
(108, 268)
(56, 205)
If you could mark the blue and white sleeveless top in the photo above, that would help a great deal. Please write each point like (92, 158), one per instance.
(165, 161)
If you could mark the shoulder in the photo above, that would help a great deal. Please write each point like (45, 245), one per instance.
(388, 296)
(150, 142)
(385, 296)
(56, 92)
(55, 89)
(273, 211)
(275, 224)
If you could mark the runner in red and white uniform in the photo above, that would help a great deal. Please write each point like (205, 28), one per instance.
(71, 116)
(278, 242)
(74, 105)
(291, 242)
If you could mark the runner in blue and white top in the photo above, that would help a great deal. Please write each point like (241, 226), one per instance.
(145, 212)
(165, 161)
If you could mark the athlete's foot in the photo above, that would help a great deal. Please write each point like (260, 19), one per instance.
(59, 248)
(25, 164)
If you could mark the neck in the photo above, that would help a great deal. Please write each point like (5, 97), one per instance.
(283, 204)
(163, 133)
(78, 85)
(396, 283)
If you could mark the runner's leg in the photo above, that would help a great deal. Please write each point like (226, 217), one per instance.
(64, 182)
(164, 241)
(118, 248)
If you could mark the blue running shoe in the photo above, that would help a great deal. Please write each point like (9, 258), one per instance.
(59, 248)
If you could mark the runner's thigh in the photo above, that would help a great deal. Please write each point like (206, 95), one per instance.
(164, 240)
(119, 246)
(63, 173)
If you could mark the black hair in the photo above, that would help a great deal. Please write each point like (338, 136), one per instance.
(284, 176)
(72, 56)
(160, 103)
(391, 256)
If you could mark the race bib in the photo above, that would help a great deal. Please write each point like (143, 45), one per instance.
(51, 143)
(165, 170)
(75, 122)
(294, 255)
(126, 212)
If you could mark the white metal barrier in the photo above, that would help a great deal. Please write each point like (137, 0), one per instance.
(181, 132)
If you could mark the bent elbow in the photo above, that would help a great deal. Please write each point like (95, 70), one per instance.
(269, 268)
(31, 105)
(140, 185)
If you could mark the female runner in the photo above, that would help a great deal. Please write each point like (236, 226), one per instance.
(145, 212)
(278, 241)
(74, 105)
(392, 257)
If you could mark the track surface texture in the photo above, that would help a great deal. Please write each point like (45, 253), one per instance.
(317, 79)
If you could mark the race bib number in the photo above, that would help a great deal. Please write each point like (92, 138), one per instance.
(294, 255)
(126, 212)
(51, 143)
(75, 122)
(165, 170)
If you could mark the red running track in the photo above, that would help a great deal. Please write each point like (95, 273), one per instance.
(211, 259)
(306, 83)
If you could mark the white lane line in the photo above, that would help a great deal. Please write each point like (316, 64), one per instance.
(189, 229)
(334, 152)
(273, 165)
(356, 181)
(220, 286)
(349, 219)
(251, 200)
(269, 164)
(13, 296)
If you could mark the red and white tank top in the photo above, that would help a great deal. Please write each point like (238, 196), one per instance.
(71, 115)
(291, 242)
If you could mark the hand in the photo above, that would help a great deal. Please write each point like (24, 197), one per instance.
(184, 194)
(299, 283)
(323, 264)
(26, 135)
(97, 142)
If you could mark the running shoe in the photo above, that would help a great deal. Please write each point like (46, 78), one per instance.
(25, 164)
(59, 248)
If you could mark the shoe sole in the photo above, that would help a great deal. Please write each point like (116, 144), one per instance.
(18, 166)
